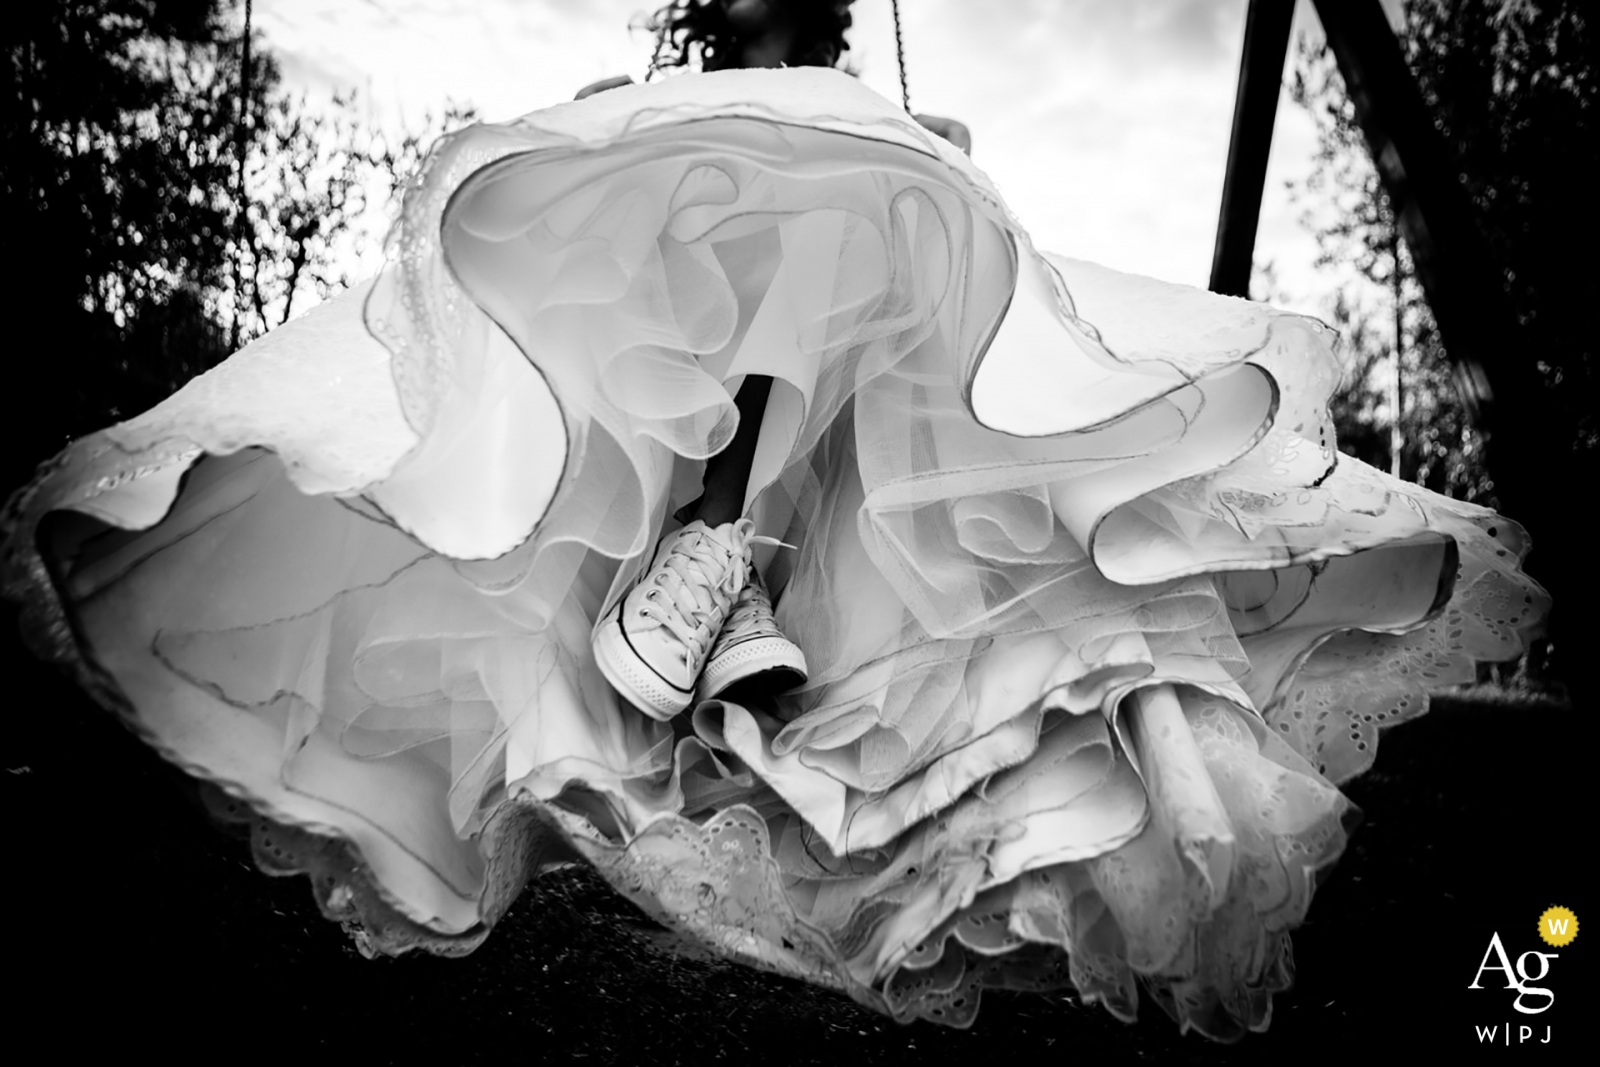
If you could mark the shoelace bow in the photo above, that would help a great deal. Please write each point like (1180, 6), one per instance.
(690, 578)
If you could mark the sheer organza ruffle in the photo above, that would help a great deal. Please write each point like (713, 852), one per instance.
(1096, 614)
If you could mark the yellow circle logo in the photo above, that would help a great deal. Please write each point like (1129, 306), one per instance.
(1558, 926)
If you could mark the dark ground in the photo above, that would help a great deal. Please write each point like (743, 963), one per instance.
(138, 927)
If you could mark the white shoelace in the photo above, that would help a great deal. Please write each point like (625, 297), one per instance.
(749, 612)
(697, 569)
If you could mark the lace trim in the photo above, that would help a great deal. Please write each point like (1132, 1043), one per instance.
(1357, 683)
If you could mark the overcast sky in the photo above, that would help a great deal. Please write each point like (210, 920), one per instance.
(1104, 122)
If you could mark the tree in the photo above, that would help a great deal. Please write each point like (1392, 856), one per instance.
(116, 127)
(1512, 86)
(1397, 408)
(321, 187)
(135, 260)
(1515, 88)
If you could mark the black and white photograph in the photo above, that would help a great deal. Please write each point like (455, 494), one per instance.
(800, 531)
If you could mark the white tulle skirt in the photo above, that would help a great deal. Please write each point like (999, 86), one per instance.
(1096, 614)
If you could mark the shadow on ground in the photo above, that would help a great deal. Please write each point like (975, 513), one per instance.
(139, 926)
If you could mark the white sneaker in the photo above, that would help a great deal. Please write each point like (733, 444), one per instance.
(652, 646)
(750, 644)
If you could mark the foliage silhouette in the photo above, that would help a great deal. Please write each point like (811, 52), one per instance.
(119, 174)
(1514, 87)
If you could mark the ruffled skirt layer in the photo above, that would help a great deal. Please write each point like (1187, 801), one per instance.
(1095, 614)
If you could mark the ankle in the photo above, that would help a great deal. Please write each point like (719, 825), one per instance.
(715, 511)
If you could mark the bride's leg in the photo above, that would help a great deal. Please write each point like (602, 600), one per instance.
(751, 658)
(727, 476)
(653, 648)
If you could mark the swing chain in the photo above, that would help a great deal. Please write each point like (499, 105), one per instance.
(900, 55)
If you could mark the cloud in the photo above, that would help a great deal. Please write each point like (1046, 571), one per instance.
(1104, 122)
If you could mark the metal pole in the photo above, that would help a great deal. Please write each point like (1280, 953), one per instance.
(1423, 183)
(1396, 437)
(1255, 107)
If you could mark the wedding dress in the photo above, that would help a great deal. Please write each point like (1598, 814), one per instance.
(1096, 615)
